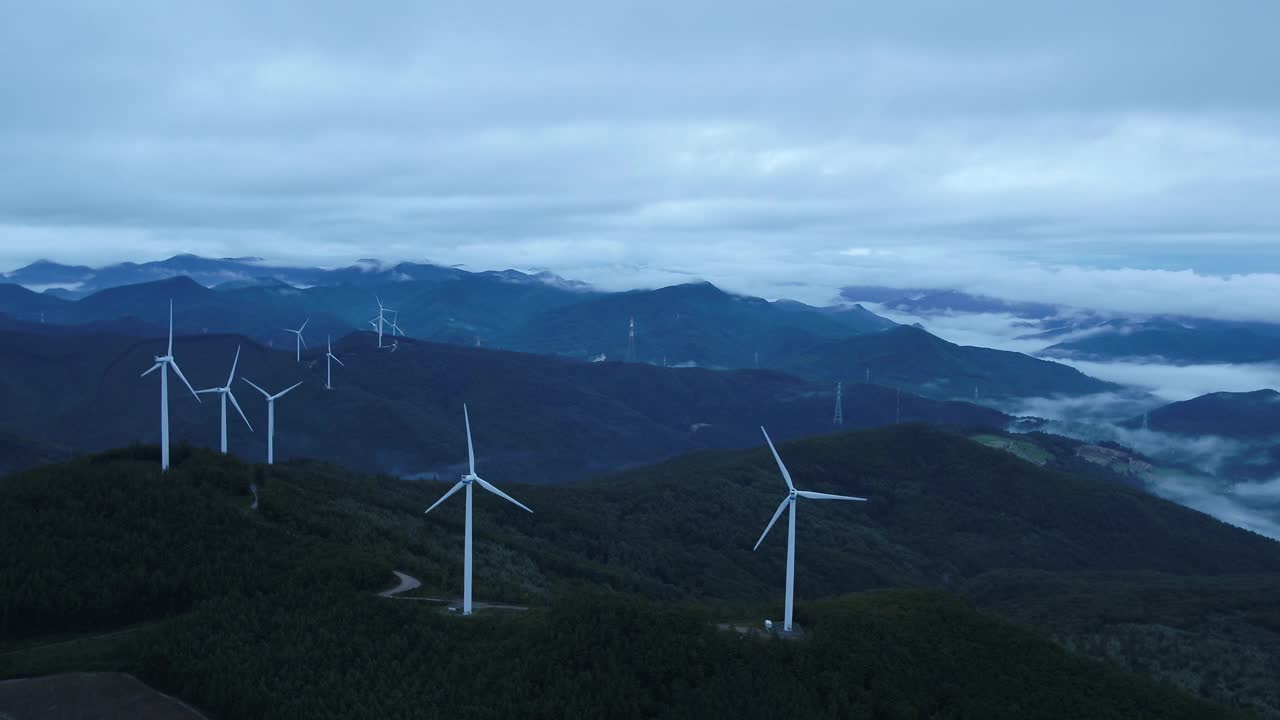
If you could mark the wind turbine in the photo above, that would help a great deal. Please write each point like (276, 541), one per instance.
(226, 393)
(271, 418)
(395, 328)
(329, 357)
(790, 502)
(395, 324)
(163, 364)
(467, 482)
(381, 319)
(301, 342)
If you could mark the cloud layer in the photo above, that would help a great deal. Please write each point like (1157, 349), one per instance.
(1039, 153)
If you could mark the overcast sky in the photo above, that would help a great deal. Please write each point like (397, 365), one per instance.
(1102, 154)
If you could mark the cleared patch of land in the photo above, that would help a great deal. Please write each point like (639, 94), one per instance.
(1024, 449)
(89, 696)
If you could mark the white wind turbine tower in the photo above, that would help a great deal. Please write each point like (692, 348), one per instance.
(467, 482)
(381, 319)
(301, 342)
(226, 394)
(271, 418)
(395, 329)
(329, 358)
(790, 502)
(395, 324)
(163, 364)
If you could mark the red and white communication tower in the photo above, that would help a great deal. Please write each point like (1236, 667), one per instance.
(631, 341)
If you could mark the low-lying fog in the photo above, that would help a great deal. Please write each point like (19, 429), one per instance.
(1204, 470)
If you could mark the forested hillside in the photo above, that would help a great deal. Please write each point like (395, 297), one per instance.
(537, 418)
(922, 363)
(271, 612)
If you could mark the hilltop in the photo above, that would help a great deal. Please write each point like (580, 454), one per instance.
(248, 593)
(692, 324)
(1181, 341)
(695, 322)
(925, 364)
(1228, 414)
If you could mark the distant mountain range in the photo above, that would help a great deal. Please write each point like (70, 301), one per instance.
(539, 418)
(695, 324)
(1088, 334)
(684, 325)
(923, 301)
(74, 281)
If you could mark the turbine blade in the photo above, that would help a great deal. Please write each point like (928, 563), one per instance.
(452, 490)
(487, 486)
(471, 452)
(304, 341)
(824, 496)
(170, 353)
(304, 325)
(234, 364)
(785, 475)
(282, 393)
(210, 390)
(255, 387)
(776, 514)
(153, 369)
(232, 396)
(177, 370)
(335, 359)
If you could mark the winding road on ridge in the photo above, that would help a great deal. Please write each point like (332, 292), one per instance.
(408, 582)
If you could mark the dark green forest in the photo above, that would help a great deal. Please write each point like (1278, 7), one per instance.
(273, 613)
(1218, 637)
